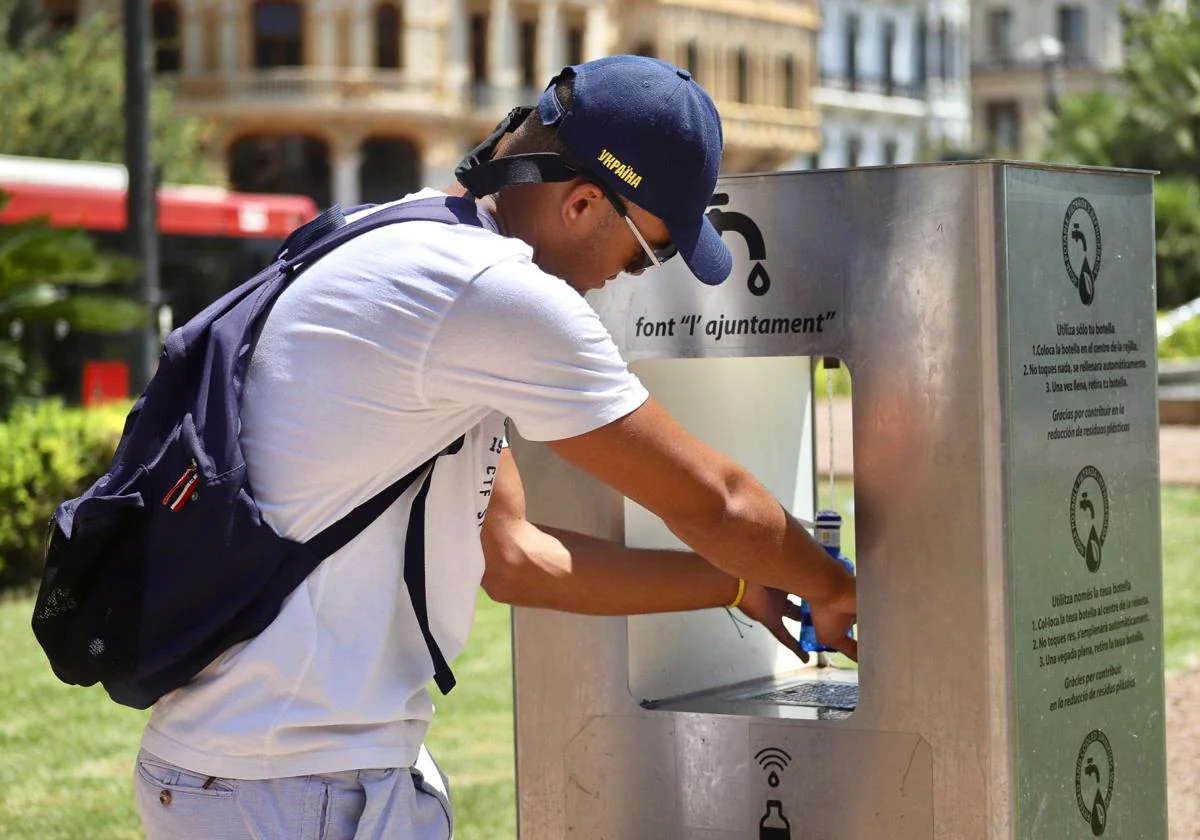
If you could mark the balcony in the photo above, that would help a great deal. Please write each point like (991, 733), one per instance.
(1008, 62)
(874, 95)
(875, 86)
(500, 98)
(316, 88)
(768, 135)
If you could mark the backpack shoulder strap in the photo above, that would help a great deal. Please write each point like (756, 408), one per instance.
(453, 210)
(337, 535)
(450, 210)
(329, 220)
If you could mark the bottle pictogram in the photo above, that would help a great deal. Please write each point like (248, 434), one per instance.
(774, 825)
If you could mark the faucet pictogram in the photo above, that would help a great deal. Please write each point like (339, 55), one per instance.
(759, 282)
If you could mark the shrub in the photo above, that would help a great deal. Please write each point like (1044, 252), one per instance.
(48, 453)
(1184, 343)
(841, 381)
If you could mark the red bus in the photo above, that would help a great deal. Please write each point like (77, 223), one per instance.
(210, 239)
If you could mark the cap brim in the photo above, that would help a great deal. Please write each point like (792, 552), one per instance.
(702, 248)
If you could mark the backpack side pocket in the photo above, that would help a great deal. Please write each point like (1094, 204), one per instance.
(87, 608)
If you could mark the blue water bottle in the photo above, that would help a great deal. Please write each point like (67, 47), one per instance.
(828, 532)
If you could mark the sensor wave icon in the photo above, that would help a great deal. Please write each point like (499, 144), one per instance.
(774, 761)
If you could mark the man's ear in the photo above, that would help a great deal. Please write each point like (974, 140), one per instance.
(582, 204)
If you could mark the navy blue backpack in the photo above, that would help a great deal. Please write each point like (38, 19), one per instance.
(165, 562)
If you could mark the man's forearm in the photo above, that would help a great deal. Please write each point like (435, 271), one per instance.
(563, 570)
(709, 502)
(759, 540)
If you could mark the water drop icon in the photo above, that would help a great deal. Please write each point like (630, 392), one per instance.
(759, 281)
(1093, 551)
(774, 761)
(1099, 815)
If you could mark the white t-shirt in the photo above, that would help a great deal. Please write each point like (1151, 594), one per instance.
(378, 356)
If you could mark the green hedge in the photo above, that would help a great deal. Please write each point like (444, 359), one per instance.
(841, 381)
(48, 453)
(1184, 343)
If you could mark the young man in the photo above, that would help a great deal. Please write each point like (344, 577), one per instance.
(391, 348)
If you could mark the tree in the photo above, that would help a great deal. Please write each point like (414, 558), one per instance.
(63, 96)
(1151, 122)
(49, 275)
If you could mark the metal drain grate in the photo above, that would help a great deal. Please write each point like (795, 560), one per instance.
(831, 695)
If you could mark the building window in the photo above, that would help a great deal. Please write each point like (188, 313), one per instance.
(1003, 126)
(389, 44)
(852, 51)
(575, 45)
(788, 71)
(1000, 35)
(390, 168)
(944, 58)
(742, 65)
(889, 51)
(1071, 32)
(529, 73)
(281, 164)
(61, 15)
(891, 150)
(691, 58)
(210, 23)
(278, 36)
(921, 53)
(478, 35)
(853, 151)
(164, 30)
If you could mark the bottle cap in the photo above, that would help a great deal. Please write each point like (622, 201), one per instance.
(828, 528)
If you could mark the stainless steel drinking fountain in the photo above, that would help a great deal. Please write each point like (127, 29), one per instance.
(998, 321)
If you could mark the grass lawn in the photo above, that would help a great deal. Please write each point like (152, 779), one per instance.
(66, 753)
(1181, 576)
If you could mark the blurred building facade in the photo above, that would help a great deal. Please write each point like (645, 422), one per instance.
(365, 100)
(758, 59)
(1030, 53)
(894, 81)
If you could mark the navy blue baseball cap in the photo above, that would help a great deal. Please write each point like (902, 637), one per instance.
(648, 131)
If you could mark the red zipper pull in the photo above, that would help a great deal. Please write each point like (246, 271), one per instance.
(182, 490)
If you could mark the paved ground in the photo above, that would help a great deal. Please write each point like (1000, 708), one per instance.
(1183, 748)
(1179, 446)
(1179, 450)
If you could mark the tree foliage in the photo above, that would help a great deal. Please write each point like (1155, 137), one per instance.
(63, 96)
(1151, 122)
(48, 275)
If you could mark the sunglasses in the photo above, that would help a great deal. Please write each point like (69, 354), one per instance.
(650, 257)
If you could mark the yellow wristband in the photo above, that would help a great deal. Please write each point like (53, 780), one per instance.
(741, 593)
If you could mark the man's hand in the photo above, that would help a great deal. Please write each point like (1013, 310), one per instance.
(831, 621)
(769, 607)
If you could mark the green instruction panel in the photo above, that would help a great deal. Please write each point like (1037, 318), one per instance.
(1084, 539)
